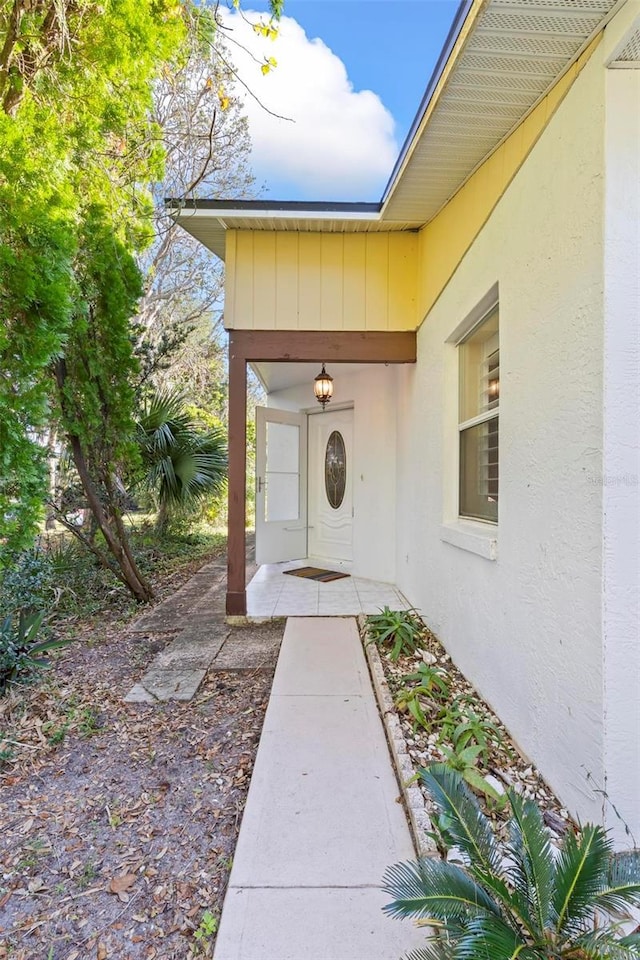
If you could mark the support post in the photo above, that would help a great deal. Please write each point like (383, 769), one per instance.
(236, 603)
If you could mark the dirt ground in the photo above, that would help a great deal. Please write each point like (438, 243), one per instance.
(118, 821)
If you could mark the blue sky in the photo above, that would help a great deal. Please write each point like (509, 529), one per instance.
(350, 77)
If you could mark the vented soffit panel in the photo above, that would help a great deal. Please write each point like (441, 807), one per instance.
(210, 226)
(514, 54)
(628, 55)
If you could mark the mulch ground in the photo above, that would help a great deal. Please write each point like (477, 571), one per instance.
(118, 821)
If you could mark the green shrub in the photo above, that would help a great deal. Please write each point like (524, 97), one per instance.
(401, 630)
(20, 654)
(516, 899)
(25, 583)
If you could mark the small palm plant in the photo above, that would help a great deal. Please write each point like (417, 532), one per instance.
(183, 462)
(516, 900)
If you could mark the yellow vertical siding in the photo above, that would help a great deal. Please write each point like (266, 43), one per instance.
(242, 282)
(264, 280)
(286, 280)
(332, 286)
(377, 282)
(230, 275)
(402, 279)
(310, 281)
(354, 282)
(321, 281)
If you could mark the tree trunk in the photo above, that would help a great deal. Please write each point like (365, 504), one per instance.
(116, 541)
(162, 518)
(52, 459)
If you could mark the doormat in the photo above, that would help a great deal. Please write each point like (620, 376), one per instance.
(315, 573)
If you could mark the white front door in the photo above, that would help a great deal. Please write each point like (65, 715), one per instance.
(281, 485)
(331, 486)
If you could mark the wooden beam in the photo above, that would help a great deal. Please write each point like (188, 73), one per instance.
(339, 346)
(236, 603)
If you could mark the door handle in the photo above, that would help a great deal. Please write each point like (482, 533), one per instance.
(259, 484)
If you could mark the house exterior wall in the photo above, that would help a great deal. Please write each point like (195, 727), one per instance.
(620, 470)
(445, 239)
(321, 281)
(525, 627)
(372, 393)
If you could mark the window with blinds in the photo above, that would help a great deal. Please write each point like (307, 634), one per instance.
(478, 421)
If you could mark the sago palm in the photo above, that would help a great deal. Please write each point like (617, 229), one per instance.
(183, 463)
(517, 900)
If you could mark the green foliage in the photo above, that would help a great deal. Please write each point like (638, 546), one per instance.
(76, 147)
(183, 462)
(26, 583)
(431, 686)
(476, 729)
(401, 630)
(37, 246)
(95, 390)
(20, 654)
(464, 760)
(516, 900)
(207, 928)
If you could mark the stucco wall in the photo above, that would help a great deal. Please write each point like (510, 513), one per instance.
(620, 470)
(372, 393)
(525, 628)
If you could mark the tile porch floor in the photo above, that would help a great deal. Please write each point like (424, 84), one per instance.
(272, 594)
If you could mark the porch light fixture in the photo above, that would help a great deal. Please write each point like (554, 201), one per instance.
(323, 387)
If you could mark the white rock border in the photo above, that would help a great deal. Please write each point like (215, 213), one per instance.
(419, 820)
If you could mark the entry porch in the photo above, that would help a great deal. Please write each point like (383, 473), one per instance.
(297, 514)
(272, 593)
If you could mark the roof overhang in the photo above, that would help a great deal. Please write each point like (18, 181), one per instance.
(209, 220)
(500, 60)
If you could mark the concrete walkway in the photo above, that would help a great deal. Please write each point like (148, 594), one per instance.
(322, 820)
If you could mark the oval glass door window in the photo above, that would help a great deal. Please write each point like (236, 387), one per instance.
(335, 469)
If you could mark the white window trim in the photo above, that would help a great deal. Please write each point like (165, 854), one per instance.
(472, 535)
(479, 537)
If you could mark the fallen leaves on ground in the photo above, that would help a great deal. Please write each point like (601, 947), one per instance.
(118, 821)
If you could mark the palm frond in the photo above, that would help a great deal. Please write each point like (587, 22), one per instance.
(438, 949)
(532, 870)
(164, 406)
(515, 905)
(605, 945)
(467, 826)
(623, 883)
(581, 875)
(183, 462)
(488, 938)
(432, 889)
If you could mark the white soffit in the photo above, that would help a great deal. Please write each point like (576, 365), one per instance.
(280, 376)
(210, 226)
(629, 56)
(515, 53)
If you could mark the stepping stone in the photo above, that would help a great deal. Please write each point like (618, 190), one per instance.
(254, 648)
(138, 694)
(172, 684)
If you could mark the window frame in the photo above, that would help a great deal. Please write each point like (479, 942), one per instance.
(492, 413)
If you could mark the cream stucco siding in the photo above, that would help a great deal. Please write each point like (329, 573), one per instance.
(525, 628)
(620, 470)
(321, 281)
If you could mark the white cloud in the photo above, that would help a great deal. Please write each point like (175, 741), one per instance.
(341, 145)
